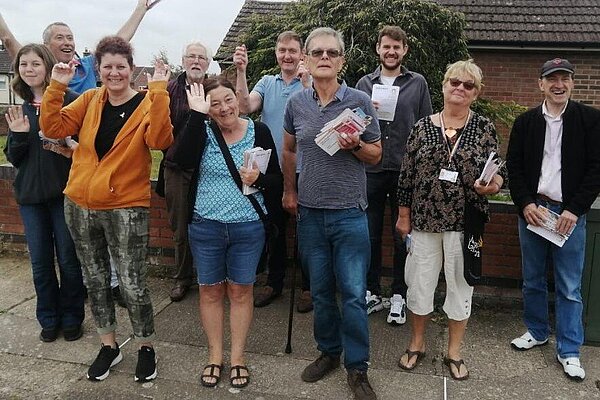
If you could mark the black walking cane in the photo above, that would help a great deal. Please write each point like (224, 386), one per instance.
(288, 346)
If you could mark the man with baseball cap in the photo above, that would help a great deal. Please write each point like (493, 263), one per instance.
(554, 164)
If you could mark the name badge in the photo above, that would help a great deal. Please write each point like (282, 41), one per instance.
(450, 176)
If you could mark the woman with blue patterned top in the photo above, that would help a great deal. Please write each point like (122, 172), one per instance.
(226, 233)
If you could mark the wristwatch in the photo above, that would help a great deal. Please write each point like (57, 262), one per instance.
(357, 147)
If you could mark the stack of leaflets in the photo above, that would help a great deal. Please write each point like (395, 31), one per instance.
(493, 164)
(548, 229)
(349, 122)
(66, 142)
(259, 157)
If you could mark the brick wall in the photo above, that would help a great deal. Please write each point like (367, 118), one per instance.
(501, 245)
(513, 76)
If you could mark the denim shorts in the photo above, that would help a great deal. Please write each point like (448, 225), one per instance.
(226, 251)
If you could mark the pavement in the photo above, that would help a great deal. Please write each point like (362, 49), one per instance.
(30, 369)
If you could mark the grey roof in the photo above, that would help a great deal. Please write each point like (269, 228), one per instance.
(539, 23)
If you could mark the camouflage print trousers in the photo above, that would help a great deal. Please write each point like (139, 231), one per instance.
(125, 232)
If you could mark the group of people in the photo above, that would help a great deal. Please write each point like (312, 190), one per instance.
(95, 150)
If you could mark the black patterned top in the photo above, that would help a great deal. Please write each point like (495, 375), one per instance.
(438, 205)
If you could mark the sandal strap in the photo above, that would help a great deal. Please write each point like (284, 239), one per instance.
(211, 372)
(238, 371)
(456, 363)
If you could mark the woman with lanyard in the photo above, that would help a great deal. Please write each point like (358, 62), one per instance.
(445, 155)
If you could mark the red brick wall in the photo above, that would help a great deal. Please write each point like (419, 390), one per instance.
(513, 76)
(501, 244)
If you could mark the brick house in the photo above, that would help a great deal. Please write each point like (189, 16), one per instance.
(509, 40)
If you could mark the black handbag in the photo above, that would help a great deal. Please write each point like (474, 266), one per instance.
(474, 224)
(271, 230)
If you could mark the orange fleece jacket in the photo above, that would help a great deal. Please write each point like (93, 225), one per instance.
(122, 178)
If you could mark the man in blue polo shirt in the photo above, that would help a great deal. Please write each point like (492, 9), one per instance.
(269, 96)
(330, 202)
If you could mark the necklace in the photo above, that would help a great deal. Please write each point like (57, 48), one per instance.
(450, 132)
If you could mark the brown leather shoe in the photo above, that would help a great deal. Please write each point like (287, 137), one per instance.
(317, 369)
(264, 296)
(304, 304)
(178, 292)
(359, 383)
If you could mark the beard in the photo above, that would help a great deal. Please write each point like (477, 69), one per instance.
(390, 64)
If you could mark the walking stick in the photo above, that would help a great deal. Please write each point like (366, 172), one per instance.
(288, 346)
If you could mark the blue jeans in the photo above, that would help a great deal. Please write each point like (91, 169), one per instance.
(226, 251)
(58, 303)
(568, 269)
(381, 188)
(334, 246)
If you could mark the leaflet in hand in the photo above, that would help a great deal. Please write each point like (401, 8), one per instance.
(548, 229)
(66, 142)
(387, 97)
(257, 156)
(349, 122)
(492, 165)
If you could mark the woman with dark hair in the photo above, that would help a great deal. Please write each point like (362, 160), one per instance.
(226, 233)
(108, 193)
(42, 172)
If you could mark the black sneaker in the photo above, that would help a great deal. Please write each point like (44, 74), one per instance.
(118, 297)
(146, 365)
(71, 333)
(48, 334)
(359, 383)
(107, 357)
(320, 367)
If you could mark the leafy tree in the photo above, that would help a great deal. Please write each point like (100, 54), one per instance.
(436, 35)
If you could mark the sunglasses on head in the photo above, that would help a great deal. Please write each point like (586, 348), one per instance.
(331, 53)
(454, 82)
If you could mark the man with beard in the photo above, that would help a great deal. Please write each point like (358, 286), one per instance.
(174, 182)
(269, 96)
(413, 104)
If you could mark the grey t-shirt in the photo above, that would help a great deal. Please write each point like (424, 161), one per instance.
(329, 182)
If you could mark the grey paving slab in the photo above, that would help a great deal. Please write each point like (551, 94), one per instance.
(30, 369)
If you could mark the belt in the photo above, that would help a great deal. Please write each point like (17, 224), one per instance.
(548, 200)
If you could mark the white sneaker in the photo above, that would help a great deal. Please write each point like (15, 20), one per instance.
(572, 367)
(397, 315)
(526, 342)
(374, 303)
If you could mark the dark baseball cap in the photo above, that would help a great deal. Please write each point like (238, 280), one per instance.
(557, 64)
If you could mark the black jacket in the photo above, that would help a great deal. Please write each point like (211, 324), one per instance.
(187, 153)
(580, 166)
(41, 174)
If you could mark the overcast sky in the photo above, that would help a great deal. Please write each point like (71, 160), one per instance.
(167, 26)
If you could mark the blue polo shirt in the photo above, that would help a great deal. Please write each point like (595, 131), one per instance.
(329, 182)
(274, 93)
(85, 75)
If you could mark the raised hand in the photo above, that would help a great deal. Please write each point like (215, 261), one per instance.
(303, 74)
(63, 73)
(148, 4)
(162, 72)
(17, 121)
(240, 58)
(196, 100)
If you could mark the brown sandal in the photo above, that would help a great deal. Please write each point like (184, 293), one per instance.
(411, 354)
(211, 374)
(238, 375)
(457, 363)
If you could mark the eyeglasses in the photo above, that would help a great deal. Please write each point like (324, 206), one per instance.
(331, 53)
(193, 57)
(455, 82)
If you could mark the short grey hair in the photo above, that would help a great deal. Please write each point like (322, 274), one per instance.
(47, 34)
(324, 31)
(207, 50)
